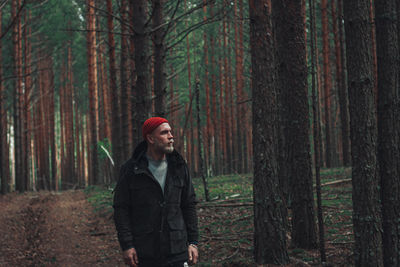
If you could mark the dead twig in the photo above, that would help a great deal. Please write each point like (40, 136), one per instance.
(230, 205)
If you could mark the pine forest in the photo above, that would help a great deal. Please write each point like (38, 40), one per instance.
(286, 112)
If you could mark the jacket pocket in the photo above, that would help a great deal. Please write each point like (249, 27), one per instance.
(177, 235)
(145, 242)
(176, 191)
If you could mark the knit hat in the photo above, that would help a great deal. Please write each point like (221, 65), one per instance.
(150, 124)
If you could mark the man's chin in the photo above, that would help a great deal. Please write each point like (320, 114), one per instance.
(169, 150)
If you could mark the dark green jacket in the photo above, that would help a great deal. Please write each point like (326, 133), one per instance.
(159, 226)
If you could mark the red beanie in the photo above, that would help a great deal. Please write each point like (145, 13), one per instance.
(150, 124)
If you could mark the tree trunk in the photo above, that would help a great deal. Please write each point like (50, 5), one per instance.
(160, 80)
(115, 123)
(343, 96)
(200, 142)
(213, 133)
(327, 83)
(226, 118)
(239, 88)
(142, 104)
(269, 210)
(94, 178)
(387, 43)
(207, 143)
(288, 18)
(4, 161)
(124, 80)
(363, 125)
(223, 148)
(69, 119)
(18, 120)
(316, 131)
(374, 54)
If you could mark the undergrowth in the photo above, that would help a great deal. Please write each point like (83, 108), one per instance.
(226, 223)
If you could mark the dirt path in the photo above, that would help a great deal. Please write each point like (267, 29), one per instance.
(55, 229)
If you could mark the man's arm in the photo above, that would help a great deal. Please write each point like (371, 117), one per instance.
(121, 211)
(188, 206)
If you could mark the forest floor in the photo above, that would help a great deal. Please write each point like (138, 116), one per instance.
(55, 229)
(75, 228)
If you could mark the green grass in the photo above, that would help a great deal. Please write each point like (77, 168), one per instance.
(223, 187)
(100, 198)
(226, 234)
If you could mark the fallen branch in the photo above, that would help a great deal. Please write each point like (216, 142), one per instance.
(336, 182)
(228, 257)
(245, 204)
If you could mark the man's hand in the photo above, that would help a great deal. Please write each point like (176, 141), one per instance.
(130, 257)
(193, 254)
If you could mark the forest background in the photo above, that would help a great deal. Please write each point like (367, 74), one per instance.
(269, 89)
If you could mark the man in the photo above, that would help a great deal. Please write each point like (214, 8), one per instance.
(154, 203)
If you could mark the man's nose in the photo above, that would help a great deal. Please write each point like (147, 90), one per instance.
(170, 135)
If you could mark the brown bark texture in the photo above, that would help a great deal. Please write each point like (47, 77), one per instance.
(327, 82)
(288, 19)
(269, 210)
(115, 123)
(387, 43)
(343, 95)
(93, 92)
(367, 223)
(160, 75)
(4, 161)
(141, 100)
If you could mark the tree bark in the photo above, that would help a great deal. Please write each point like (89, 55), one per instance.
(4, 161)
(124, 81)
(363, 125)
(343, 95)
(292, 79)
(207, 143)
(200, 142)
(94, 178)
(160, 80)
(327, 83)
(269, 209)
(115, 123)
(387, 43)
(141, 102)
(316, 131)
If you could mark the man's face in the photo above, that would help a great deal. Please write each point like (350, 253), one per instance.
(163, 139)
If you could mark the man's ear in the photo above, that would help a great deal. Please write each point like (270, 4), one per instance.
(150, 138)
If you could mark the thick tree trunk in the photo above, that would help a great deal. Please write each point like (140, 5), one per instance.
(141, 100)
(269, 209)
(94, 178)
(291, 50)
(115, 122)
(365, 176)
(160, 76)
(387, 42)
(4, 161)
